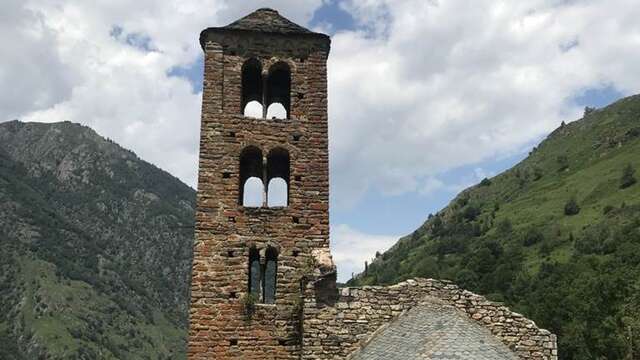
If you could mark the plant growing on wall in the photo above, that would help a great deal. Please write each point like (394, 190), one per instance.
(248, 306)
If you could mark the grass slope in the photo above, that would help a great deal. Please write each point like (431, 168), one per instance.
(513, 238)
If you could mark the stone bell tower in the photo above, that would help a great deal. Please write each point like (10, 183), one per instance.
(263, 136)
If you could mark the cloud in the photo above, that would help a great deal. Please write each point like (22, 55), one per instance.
(424, 87)
(33, 75)
(351, 248)
(112, 66)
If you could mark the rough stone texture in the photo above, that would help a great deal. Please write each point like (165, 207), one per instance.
(335, 332)
(308, 319)
(225, 231)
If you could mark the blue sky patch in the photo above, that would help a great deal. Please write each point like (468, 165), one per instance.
(332, 15)
(138, 40)
(598, 97)
(192, 72)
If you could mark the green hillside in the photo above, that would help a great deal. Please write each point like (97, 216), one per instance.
(95, 248)
(557, 237)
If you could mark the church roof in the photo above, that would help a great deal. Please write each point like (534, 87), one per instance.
(433, 330)
(267, 21)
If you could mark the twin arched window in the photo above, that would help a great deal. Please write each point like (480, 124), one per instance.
(255, 172)
(263, 273)
(266, 96)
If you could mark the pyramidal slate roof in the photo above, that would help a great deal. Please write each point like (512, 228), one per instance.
(267, 21)
(434, 331)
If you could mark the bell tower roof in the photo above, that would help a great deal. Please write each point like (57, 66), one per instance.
(264, 20)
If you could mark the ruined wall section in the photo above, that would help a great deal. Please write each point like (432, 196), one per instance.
(225, 231)
(334, 332)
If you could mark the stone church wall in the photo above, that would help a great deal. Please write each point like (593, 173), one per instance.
(334, 332)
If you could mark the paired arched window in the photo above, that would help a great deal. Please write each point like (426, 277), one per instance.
(254, 176)
(278, 97)
(252, 93)
(251, 177)
(268, 96)
(278, 178)
(263, 274)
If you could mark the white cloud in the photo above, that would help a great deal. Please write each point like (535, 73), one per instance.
(105, 64)
(429, 86)
(351, 248)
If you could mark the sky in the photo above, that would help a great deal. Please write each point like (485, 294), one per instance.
(426, 97)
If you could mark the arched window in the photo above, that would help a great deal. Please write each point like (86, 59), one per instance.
(255, 274)
(276, 111)
(278, 177)
(253, 192)
(253, 109)
(252, 85)
(278, 194)
(279, 87)
(270, 275)
(251, 167)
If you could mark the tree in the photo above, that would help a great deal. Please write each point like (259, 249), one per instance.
(628, 177)
(485, 182)
(571, 207)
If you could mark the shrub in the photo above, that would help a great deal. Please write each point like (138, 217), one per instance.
(485, 182)
(532, 237)
(628, 177)
(248, 305)
(470, 213)
(537, 173)
(563, 162)
(505, 227)
(571, 207)
(607, 209)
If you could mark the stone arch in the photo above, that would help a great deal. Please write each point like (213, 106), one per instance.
(250, 167)
(279, 86)
(252, 84)
(278, 172)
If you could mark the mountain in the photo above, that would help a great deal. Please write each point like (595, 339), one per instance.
(95, 248)
(557, 237)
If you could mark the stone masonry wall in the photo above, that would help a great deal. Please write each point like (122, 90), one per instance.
(337, 331)
(226, 230)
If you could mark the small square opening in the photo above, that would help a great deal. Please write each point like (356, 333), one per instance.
(298, 178)
(282, 342)
(232, 134)
(233, 342)
(296, 220)
(226, 175)
(296, 137)
(233, 295)
(230, 253)
(295, 253)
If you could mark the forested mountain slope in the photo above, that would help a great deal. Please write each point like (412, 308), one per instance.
(95, 248)
(557, 237)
